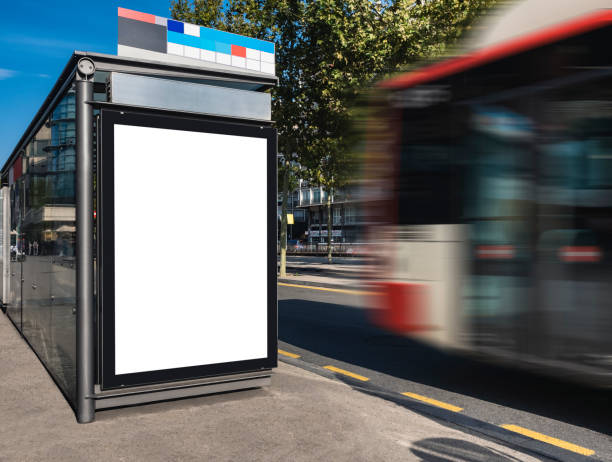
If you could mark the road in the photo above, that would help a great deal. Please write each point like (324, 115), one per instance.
(330, 328)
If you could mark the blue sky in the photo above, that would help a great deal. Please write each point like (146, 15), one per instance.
(36, 40)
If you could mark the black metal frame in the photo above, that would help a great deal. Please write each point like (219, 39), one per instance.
(105, 218)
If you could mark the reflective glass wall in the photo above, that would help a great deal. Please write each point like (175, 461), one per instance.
(43, 236)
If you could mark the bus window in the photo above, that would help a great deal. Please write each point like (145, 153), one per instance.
(499, 183)
(425, 185)
(428, 184)
(598, 160)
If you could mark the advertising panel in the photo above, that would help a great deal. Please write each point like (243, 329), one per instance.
(176, 305)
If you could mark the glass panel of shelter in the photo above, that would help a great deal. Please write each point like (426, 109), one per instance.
(14, 301)
(43, 231)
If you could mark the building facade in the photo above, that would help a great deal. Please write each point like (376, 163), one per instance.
(347, 217)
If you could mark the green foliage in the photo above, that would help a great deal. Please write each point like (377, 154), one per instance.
(429, 28)
(207, 13)
(327, 52)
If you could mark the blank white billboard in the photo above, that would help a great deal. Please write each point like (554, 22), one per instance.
(190, 248)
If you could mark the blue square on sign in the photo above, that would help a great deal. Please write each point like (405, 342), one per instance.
(223, 48)
(176, 26)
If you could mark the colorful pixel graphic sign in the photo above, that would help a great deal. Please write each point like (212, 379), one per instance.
(161, 35)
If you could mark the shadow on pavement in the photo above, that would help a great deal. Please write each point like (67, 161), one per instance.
(344, 333)
(451, 449)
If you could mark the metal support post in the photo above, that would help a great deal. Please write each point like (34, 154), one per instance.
(85, 356)
(6, 245)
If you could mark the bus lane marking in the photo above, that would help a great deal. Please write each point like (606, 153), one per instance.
(347, 373)
(286, 353)
(434, 402)
(329, 289)
(549, 439)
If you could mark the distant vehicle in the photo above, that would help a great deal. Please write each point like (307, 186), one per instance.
(295, 245)
(494, 183)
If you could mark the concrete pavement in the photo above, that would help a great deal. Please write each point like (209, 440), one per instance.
(302, 416)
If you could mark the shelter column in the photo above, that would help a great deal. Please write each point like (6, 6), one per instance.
(6, 245)
(85, 356)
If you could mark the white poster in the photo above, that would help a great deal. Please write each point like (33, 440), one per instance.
(190, 248)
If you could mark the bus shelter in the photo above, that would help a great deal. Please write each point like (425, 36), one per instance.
(139, 227)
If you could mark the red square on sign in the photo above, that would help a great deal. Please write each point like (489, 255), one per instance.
(238, 51)
(136, 15)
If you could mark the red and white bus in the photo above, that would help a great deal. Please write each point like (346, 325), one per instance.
(491, 179)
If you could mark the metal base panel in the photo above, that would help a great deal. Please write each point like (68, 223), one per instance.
(141, 395)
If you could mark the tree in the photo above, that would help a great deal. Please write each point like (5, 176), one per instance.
(279, 21)
(347, 45)
(327, 52)
(288, 179)
(430, 27)
(344, 49)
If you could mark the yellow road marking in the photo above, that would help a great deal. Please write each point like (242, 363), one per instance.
(328, 289)
(286, 353)
(350, 374)
(434, 402)
(549, 440)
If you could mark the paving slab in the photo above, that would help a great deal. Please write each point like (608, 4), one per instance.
(302, 416)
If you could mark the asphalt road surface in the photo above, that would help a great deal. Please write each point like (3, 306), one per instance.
(326, 328)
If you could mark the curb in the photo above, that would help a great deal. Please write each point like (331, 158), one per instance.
(462, 422)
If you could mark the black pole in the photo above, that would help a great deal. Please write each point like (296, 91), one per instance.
(85, 358)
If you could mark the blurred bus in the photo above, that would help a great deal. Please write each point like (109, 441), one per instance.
(490, 175)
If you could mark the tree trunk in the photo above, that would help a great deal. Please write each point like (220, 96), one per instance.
(329, 228)
(283, 232)
(320, 212)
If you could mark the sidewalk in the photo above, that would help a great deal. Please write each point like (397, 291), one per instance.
(301, 417)
(349, 272)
